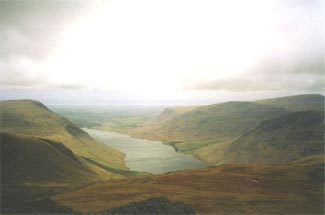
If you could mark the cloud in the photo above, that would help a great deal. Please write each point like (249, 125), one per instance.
(71, 86)
(33, 28)
(272, 75)
(20, 72)
(30, 31)
(267, 83)
(155, 47)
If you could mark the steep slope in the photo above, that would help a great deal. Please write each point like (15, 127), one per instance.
(32, 118)
(281, 139)
(43, 154)
(292, 188)
(40, 161)
(32, 169)
(297, 102)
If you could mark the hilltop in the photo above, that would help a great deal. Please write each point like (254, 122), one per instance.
(297, 102)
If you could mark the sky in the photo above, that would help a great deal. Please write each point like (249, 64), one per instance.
(165, 52)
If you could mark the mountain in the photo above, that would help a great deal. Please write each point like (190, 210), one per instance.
(281, 139)
(43, 154)
(28, 117)
(297, 102)
(206, 124)
(296, 187)
(219, 121)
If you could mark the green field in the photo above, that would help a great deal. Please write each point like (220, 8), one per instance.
(183, 147)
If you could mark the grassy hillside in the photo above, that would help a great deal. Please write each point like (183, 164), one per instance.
(220, 121)
(43, 154)
(281, 139)
(32, 118)
(297, 103)
(292, 188)
(32, 169)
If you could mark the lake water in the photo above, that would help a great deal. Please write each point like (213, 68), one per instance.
(146, 155)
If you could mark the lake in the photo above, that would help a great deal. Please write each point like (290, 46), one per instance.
(146, 155)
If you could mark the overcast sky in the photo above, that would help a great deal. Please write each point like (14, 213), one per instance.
(160, 52)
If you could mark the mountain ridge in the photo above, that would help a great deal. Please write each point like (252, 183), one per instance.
(29, 117)
(297, 102)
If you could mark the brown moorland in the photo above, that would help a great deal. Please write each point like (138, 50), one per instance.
(294, 187)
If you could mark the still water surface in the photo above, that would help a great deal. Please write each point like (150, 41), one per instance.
(146, 155)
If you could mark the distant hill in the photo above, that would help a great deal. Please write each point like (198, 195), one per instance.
(86, 116)
(218, 122)
(284, 138)
(28, 117)
(297, 103)
(171, 112)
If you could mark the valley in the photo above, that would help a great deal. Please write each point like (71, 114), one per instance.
(264, 156)
(211, 132)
